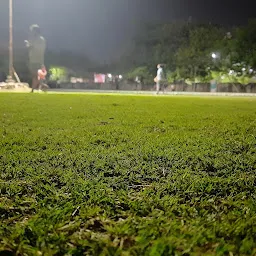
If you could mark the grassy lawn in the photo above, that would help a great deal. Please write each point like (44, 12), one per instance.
(127, 175)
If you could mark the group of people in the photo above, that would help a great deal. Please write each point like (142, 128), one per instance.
(36, 47)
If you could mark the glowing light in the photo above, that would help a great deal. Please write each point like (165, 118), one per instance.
(243, 69)
(214, 55)
(109, 76)
(120, 76)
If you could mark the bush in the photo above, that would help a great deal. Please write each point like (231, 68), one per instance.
(143, 73)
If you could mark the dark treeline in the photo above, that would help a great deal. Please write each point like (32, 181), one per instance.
(193, 52)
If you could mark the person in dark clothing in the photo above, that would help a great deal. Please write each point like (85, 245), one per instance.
(117, 82)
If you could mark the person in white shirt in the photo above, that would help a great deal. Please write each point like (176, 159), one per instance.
(159, 77)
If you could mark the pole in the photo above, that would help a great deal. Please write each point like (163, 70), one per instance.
(10, 77)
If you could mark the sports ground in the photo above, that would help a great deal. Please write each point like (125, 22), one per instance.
(111, 174)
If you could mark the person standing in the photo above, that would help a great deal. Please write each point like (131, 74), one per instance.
(117, 82)
(137, 81)
(36, 46)
(42, 73)
(159, 78)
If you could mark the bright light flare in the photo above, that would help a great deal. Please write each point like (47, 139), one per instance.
(214, 55)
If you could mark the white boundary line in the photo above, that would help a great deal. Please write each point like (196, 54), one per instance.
(109, 92)
(138, 93)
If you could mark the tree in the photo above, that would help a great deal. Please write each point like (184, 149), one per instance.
(141, 72)
(194, 60)
(187, 49)
(245, 44)
(80, 64)
(154, 44)
(58, 73)
(238, 56)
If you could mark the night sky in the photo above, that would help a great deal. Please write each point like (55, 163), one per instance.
(102, 29)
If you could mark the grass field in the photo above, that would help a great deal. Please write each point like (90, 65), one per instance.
(127, 175)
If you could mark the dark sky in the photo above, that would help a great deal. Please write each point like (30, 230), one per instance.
(102, 29)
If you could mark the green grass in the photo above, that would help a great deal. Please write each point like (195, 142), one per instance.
(127, 175)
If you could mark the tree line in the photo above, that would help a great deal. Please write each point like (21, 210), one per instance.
(193, 53)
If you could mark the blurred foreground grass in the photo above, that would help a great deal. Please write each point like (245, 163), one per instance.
(127, 175)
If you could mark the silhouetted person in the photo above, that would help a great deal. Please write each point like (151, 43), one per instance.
(142, 80)
(117, 82)
(137, 81)
(36, 46)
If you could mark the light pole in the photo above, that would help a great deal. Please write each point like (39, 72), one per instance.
(10, 77)
(11, 39)
(10, 83)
